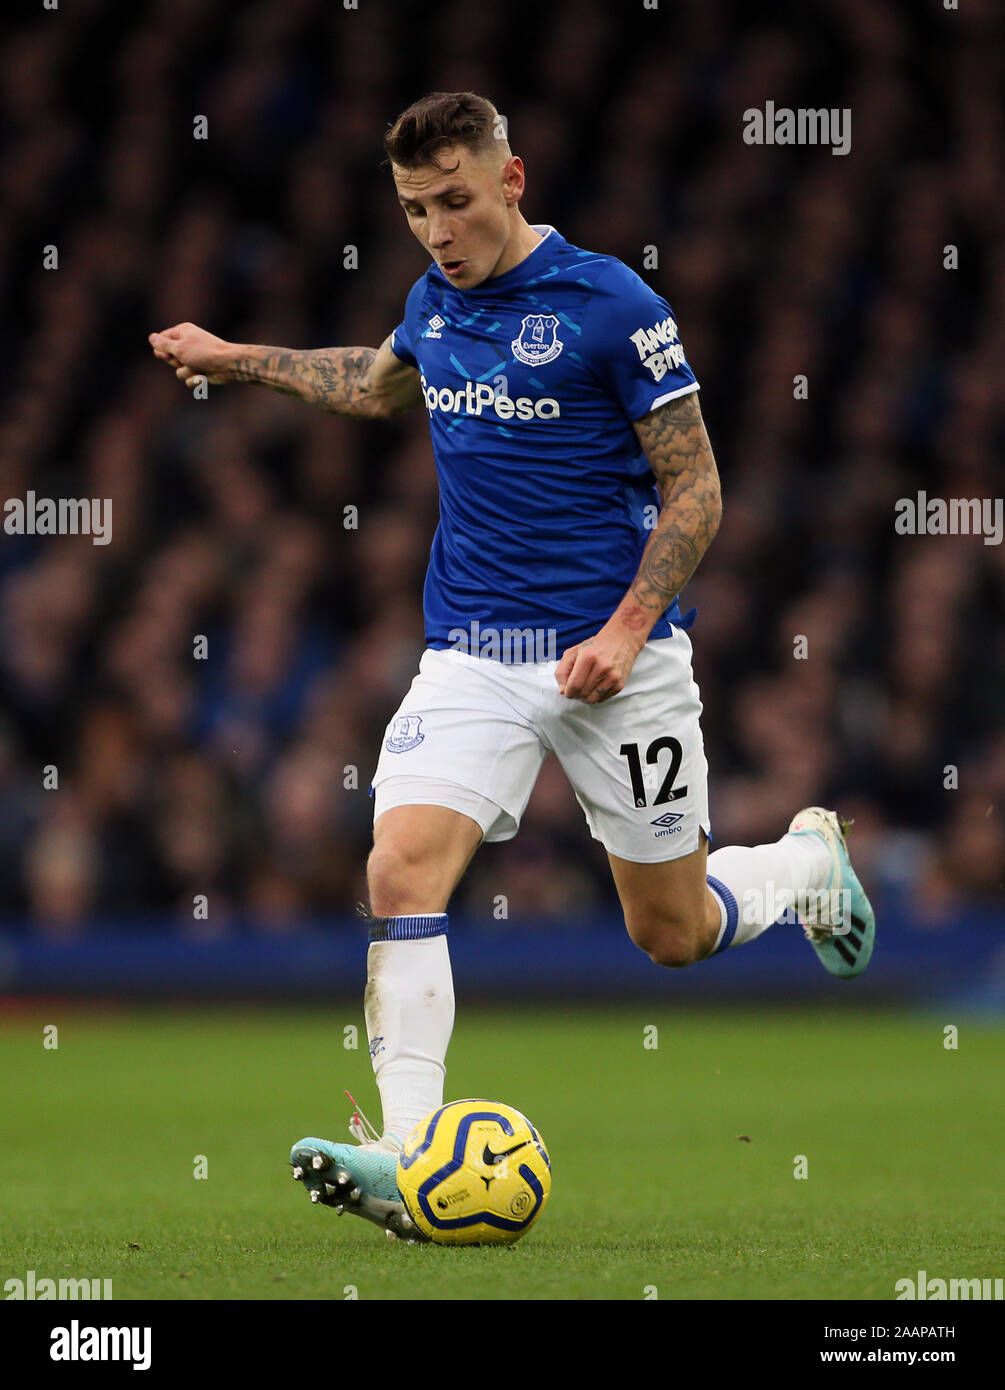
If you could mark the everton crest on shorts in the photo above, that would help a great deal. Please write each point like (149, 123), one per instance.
(405, 734)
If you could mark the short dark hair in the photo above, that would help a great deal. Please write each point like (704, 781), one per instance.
(437, 121)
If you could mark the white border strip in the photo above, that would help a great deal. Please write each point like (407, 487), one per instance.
(672, 395)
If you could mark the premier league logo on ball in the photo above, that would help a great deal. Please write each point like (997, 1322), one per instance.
(537, 342)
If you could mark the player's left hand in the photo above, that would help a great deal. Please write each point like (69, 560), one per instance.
(594, 670)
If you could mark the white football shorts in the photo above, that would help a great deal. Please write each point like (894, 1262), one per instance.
(472, 733)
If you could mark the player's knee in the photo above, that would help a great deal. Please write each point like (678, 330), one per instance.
(404, 878)
(675, 952)
(670, 940)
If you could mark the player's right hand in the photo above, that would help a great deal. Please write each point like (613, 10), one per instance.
(194, 354)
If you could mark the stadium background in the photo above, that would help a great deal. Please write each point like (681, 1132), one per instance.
(226, 777)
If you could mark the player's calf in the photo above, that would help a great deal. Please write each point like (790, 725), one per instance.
(669, 911)
(671, 938)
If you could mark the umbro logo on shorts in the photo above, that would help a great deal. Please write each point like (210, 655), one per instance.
(668, 823)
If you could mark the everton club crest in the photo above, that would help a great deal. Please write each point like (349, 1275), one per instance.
(405, 733)
(537, 342)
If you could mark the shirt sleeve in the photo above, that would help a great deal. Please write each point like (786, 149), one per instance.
(400, 345)
(402, 340)
(635, 348)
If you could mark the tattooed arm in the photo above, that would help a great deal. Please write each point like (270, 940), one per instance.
(366, 382)
(675, 442)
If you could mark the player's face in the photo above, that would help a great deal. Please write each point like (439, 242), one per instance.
(462, 218)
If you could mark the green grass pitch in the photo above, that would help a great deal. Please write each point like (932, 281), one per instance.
(654, 1189)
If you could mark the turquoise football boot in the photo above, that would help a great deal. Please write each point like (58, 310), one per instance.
(841, 927)
(359, 1178)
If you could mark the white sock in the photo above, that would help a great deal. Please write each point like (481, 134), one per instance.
(756, 887)
(409, 1011)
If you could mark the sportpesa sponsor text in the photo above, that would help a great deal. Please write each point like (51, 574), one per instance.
(476, 397)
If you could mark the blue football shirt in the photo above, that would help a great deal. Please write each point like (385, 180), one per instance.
(531, 383)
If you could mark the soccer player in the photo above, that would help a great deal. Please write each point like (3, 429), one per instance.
(578, 493)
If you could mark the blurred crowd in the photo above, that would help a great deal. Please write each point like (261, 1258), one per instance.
(196, 708)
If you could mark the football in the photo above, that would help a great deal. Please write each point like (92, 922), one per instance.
(474, 1173)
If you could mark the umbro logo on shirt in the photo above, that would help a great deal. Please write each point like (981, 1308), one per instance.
(435, 324)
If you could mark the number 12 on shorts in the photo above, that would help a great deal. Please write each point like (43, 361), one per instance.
(667, 791)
